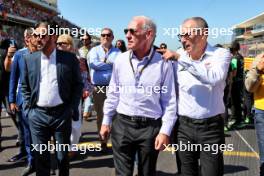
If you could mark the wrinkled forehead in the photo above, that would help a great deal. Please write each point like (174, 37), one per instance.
(106, 31)
(135, 24)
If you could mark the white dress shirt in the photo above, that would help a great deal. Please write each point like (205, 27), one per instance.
(201, 83)
(48, 88)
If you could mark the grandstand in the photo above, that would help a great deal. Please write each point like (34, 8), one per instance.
(250, 35)
(16, 15)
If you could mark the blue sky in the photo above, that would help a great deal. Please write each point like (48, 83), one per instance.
(116, 14)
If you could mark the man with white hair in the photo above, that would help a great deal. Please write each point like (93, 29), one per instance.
(141, 103)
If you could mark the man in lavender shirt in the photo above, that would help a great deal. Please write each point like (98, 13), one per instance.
(141, 103)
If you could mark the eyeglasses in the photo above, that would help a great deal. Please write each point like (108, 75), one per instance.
(106, 35)
(62, 43)
(132, 31)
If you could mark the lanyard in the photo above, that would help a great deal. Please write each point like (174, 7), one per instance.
(142, 69)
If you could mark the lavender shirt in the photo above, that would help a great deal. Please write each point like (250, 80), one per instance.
(150, 94)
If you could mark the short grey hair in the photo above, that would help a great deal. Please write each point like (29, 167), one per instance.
(28, 32)
(147, 24)
(201, 23)
(108, 29)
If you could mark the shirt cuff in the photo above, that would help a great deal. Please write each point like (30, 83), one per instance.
(166, 128)
(107, 120)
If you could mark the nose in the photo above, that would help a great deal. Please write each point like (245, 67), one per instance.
(128, 36)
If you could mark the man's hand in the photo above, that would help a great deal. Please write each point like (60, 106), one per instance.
(260, 65)
(11, 51)
(8, 60)
(170, 55)
(105, 132)
(13, 107)
(161, 141)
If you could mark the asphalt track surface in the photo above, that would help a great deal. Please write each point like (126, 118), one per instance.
(242, 161)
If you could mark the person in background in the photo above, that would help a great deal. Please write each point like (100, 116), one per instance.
(102, 58)
(65, 43)
(15, 95)
(121, 45)
(237, 63)
(254, 83)
(162, 49)
(8, 48)
(83, 53)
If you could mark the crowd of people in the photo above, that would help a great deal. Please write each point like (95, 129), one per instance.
(144, 96)
(24, 9)
(19, 8)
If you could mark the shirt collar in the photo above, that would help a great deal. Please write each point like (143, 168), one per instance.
(53, 54)
(209, 50)
(146, 57)
(109, 48)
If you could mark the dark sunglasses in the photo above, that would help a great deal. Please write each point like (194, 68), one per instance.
(106, 35)
(132, 31)
(184, 35)
(62, 43)
(39, 36)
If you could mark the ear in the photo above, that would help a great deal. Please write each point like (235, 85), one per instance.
(205, 37)
(149, 34)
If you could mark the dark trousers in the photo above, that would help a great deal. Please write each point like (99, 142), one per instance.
(27, 135)
(227, 102)
(134, 136)
(205, 132)
(248, 103)
(47, 122)
(99, 96)
(236, 100)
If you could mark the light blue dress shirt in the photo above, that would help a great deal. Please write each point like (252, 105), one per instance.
(101, 71)
(150, 94)
(201, 83)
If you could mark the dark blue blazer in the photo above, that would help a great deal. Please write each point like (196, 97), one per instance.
(68, 75)
(17, 68)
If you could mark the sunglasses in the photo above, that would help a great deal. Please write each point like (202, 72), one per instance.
(62, 43)
(106, 35)
(132, 31)
(39, 35)
(184, 35)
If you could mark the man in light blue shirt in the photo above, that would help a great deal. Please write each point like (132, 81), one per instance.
(141, 103)
(201, 75)
(101, 65)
